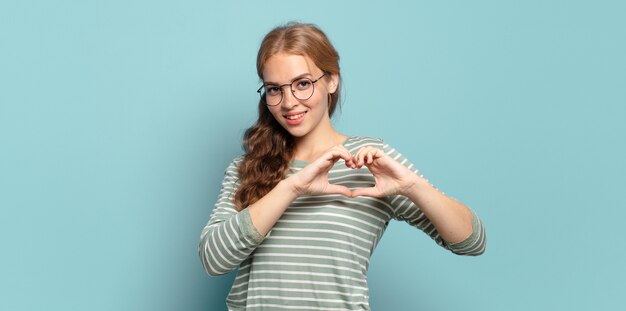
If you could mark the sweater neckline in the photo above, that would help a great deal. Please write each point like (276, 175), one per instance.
(302, 163)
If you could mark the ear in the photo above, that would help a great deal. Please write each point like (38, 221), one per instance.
(333, 83)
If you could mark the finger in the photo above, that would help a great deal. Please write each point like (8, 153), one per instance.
(337, 189)
(363, 154)
(335, 154)
(350, 163)
(349, 160)
(344, 154)
(358, 157)
(366, 192)
(370, 157)
(355, 158)
(361, 160)
(376, 154)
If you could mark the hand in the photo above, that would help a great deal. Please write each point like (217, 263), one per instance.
(313, 179)
(391, 177)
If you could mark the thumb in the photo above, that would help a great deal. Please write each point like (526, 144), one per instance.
(336, 189)
(366, 192)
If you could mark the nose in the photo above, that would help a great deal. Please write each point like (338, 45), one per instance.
(289, 100)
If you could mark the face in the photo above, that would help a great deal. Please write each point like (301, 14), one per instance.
(299, 117)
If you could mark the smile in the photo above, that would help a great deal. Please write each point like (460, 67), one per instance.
(295, 116)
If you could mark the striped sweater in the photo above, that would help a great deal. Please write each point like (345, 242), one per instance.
(316, 256)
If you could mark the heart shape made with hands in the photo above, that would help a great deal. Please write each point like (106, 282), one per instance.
(390, 176)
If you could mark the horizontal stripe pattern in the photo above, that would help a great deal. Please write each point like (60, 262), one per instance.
(317, 255)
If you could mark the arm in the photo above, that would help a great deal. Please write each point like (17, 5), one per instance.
(450, 223)
(311, 180)
(231, 236)
(452, 219)
(460, 229)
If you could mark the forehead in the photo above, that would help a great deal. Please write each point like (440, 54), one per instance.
(282, 67)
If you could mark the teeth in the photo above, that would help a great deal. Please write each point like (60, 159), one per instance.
(294, 117)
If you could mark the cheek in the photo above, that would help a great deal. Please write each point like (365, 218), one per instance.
(275, 113)
(319, 99)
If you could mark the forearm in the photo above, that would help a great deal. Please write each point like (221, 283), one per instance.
(266, 211)
(451, 218)
(218, 251)
(225, 244)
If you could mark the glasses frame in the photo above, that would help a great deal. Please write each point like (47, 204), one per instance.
(282, 93)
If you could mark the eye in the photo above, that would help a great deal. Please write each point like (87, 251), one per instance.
(272, 90)
(303, 84)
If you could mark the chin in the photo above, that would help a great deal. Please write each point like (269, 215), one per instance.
(297, 132)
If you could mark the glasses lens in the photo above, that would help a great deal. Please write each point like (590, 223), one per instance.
(272, 94)
(302, 88)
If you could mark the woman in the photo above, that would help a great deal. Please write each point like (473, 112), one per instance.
(301, 212)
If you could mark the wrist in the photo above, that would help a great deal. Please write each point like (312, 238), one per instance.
(289, 188)
(416, 186)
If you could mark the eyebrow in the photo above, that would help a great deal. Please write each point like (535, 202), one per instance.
(294, 79)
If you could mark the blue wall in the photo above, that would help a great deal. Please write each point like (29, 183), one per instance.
(117, 119)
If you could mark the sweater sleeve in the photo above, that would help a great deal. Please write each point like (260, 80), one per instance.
(229, 237)
(405, 210)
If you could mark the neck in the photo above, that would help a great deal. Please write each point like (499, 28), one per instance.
(314, 144)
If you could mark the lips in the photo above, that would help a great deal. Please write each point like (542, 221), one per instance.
(295, 118)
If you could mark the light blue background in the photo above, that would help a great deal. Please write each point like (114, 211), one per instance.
(117, 119)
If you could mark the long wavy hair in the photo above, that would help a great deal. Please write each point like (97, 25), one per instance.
(268, 146)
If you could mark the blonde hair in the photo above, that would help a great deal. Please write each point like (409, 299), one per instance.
(268, 146)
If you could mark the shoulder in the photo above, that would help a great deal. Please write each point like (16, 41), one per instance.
(236, 160)
(233, 167)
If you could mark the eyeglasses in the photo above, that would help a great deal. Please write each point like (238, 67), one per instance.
(301, 89)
